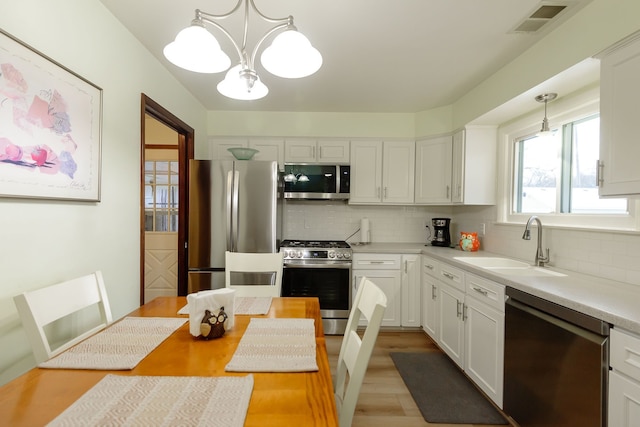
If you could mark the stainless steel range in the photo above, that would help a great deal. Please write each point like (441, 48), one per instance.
(320, 268)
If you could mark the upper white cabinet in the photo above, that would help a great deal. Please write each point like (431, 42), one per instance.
(473, 170)
(433, 170)
(618, 172)
(382, 172)
(316, 151)
(268, 148)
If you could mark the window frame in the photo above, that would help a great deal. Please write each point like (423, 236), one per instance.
(564, 111)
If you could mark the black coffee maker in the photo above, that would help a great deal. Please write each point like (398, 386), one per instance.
(441, 235)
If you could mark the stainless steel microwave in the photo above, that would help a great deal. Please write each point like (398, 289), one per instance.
(323, 182)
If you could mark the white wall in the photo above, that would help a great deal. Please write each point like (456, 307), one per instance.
(43, 241)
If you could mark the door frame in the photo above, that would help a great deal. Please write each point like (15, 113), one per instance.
(186, 137)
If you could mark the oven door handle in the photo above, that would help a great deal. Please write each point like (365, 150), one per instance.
(343, 265)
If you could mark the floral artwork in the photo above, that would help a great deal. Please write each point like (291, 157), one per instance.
(49, 127)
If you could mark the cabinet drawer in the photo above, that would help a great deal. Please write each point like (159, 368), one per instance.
(376, 261)
(625, 353)
(430, 266)
(490, 293)
(452, 276)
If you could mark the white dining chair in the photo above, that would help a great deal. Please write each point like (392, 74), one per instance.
(71, 299)
(240, 262)
(355, 352)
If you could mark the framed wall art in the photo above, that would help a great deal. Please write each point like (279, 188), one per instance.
(50, 127)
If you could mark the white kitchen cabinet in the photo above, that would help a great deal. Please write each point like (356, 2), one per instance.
(473, 170)
(451, 328)
(483, 315)
(469, 323)
(268, 148)
(382, 172)
(624, 379)
(317, 151)
(433, 170)
(618, 172)
(385, 271)
(410, 291)
(430, 297)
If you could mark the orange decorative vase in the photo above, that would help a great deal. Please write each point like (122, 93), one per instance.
(469, 241)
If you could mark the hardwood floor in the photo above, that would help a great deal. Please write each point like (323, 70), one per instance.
(384, 399)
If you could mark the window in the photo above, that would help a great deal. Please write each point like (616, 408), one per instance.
(556, 173)
(553, 176)
(161, 196)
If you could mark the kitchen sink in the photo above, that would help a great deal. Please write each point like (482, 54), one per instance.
(492, 262)
(526, 271)
(508, 267)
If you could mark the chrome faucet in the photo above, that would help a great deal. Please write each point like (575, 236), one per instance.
(541, 258)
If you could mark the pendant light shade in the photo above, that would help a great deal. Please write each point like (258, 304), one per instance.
(244, 85)
(291, 56)
(187, 48)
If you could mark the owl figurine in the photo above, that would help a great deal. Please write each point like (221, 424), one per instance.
(469, 241)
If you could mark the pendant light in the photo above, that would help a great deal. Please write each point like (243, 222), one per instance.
(545, 97)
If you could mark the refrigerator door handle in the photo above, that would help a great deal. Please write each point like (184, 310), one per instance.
(228, 210)
(236, 210)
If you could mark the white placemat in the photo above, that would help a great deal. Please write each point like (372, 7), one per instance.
(121, 346)
(244, 305)
(276, 345)
(161, 401)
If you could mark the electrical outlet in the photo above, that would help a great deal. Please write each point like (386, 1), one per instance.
(483, 229)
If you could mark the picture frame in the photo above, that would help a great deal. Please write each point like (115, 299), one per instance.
(50, 127)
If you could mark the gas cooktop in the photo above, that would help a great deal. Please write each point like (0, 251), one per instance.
(317, 244)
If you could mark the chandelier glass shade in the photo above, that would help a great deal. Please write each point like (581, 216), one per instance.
(290, 55)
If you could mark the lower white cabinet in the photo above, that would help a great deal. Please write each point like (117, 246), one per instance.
(384, 271)
(464, 314)
(624, 379)
(398, 275)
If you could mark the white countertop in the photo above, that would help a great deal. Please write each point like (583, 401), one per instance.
(614, 302)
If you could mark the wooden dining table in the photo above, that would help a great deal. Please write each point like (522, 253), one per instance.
(278, 399)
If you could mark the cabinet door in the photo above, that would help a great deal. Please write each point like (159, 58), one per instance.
(457, 167)
(300, 151)
(430, 312)
(333, 152)
(219, 147)
(269, 149)
(619, 118)
(411, 290)
(366, 171)
(451, 306)
(398, 172)
(624, 401)
(389, 282)
(484, 347)
(433, 170)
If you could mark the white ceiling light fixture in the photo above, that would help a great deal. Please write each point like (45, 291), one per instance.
(545, 97)
(290, 55)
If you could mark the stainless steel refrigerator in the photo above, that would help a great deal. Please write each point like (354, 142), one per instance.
(234, 206)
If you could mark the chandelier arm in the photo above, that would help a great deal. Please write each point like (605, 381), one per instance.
(200, 13)
(288, 19)
(267, 34)
(206, 18)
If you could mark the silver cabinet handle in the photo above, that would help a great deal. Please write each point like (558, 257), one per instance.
(385, 192)
(447, 192)
(599, 175)
(481, 291)
(448, 275)
(433, 292)
(376, 262)
(378, 192)
(430, 267)
(464, 312)
(458, 308)
(405, 267)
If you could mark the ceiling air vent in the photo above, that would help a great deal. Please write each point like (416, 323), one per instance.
(540, 17)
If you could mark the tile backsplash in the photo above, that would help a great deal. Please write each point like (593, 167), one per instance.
(609, 255)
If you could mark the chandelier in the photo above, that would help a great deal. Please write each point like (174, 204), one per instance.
(545, 97)
(290, 55)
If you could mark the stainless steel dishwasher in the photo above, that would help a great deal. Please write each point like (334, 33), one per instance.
(556, 364)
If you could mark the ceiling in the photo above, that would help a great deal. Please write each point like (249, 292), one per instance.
(386, 56)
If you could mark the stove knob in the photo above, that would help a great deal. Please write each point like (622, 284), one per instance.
(299, 254)
(340, 255)
(347, 255)
(332, 254)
